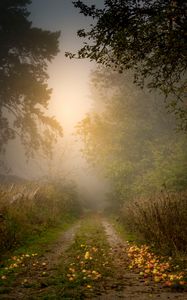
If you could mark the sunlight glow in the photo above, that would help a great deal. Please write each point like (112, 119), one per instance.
(70, 98)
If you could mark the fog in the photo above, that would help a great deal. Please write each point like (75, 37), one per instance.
(70, 101)
(123, 136)
(93, 160)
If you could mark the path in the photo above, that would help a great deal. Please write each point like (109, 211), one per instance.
(34, 274)
(131, 287)
(122, 284)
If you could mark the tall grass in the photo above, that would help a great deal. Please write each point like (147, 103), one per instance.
(31, 208)
(161, 220)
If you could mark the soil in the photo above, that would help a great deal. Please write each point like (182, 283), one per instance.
(46, 263)
(127, 284)
(124, 284)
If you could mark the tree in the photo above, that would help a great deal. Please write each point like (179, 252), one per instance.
(24, 94)
(145, 36)
(132, 140)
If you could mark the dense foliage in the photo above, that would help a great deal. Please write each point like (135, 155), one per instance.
(24, 94)
(131, 139)
(145, 36)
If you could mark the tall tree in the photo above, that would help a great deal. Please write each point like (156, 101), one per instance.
(25, 52)
(146, 36)
(132, 140)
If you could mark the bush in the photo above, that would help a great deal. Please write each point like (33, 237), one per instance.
(29, 209)
(161, 220)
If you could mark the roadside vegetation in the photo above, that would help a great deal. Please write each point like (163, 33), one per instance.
(160, 220)
(27, 257)
(153, 264)
(130, 139)
(29, 209)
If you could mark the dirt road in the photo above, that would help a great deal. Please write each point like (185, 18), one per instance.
(31, 281)
(131, 285)
(46, 277)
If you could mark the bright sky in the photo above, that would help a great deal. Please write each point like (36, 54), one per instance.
(70, 82)
(70, 101)
(68, 78)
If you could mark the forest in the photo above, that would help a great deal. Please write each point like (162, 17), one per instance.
(63, 236)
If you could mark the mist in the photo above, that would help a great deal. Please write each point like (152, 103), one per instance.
(93, 161)
(70, 101)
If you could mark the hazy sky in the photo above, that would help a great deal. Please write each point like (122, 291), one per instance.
(68, 78)
(70, 100)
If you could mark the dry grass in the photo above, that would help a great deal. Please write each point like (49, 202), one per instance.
(29, 209)
(161, 220)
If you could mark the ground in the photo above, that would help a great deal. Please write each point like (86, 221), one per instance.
(87, 261)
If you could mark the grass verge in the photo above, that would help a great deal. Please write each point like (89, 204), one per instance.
(13, 263)
(123, 232)
(86, 266)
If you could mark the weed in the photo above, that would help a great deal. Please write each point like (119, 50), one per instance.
(161, 221)
(28, 210)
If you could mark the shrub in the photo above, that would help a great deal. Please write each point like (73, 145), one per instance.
(161, 220)
(30, 208)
